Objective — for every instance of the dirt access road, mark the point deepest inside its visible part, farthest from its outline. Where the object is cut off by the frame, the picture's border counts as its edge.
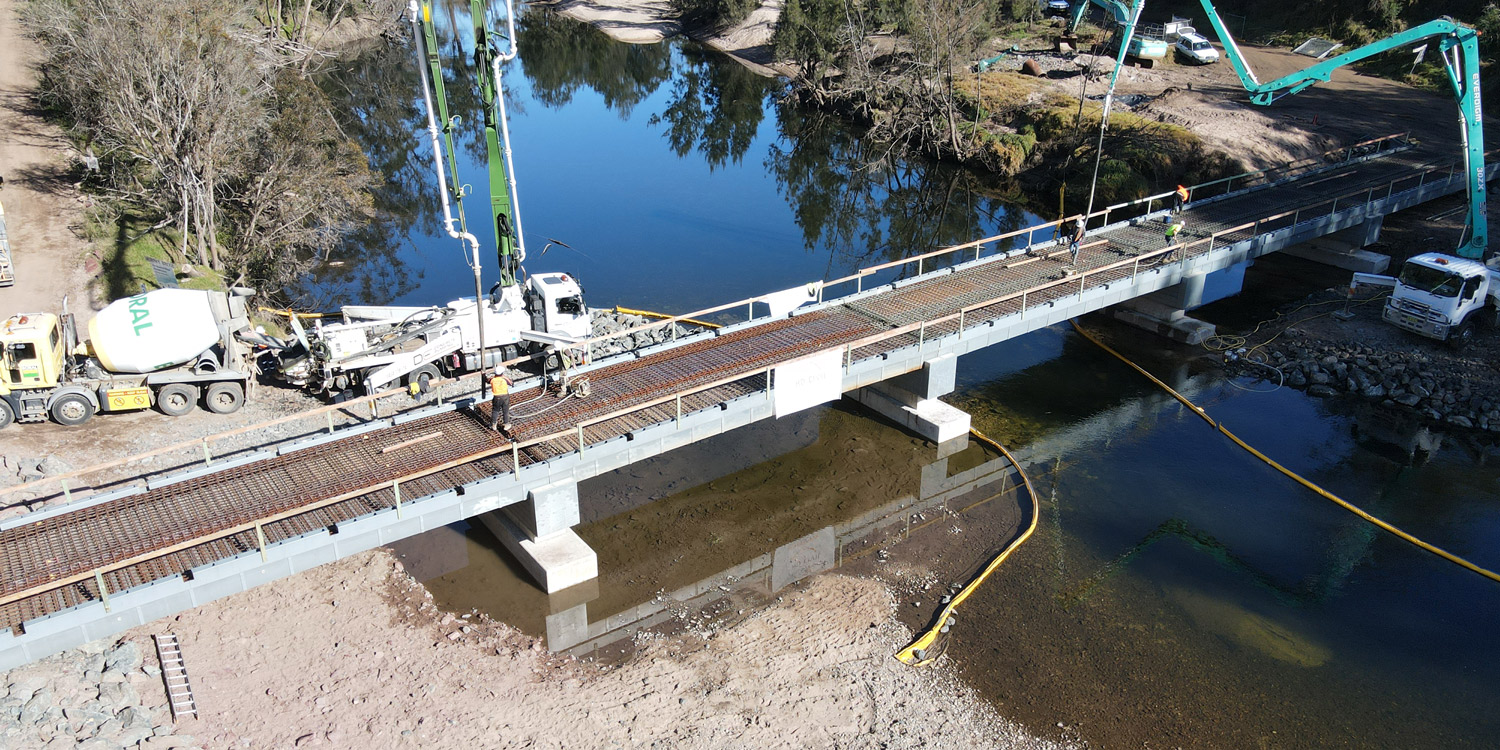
(43, 210)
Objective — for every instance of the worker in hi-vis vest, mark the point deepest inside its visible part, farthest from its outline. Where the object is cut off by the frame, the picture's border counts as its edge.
(500, 382)
(1182, 198)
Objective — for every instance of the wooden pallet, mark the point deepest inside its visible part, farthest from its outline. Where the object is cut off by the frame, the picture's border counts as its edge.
(174, 674)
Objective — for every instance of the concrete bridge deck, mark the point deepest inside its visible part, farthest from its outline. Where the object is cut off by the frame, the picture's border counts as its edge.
(103, 564)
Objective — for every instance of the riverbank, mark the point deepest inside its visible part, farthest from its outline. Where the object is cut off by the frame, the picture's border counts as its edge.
(353, 654)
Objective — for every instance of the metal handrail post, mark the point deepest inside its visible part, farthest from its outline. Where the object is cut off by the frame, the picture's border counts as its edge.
(580, 440)
(103, 590)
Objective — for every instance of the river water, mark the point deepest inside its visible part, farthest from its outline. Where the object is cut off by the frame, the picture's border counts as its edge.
(1179, 592)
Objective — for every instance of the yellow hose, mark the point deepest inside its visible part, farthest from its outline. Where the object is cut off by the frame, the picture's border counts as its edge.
(660, 316)
(920, 652)
(1440, 552)
(290, 313)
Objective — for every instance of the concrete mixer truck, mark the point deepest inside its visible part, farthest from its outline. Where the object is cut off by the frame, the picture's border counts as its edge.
(166, 348)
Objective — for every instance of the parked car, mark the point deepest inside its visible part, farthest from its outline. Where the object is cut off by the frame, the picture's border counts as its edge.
(1197, 49)
(1052, 7)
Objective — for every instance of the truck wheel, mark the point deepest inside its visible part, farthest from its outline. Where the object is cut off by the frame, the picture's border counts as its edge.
(423, 377)
(1459, 338)
(224, 398)
(71, 409)
(7, 414)
(176, 399)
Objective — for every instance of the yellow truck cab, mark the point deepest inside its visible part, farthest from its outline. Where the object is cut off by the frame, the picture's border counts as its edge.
(33, 356)
(32, 366)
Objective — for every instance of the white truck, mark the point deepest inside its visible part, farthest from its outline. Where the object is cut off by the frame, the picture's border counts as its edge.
(375, 347)
(167, 348)
(1440, 296)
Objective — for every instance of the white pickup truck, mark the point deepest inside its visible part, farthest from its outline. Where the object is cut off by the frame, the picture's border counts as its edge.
(1440, 296)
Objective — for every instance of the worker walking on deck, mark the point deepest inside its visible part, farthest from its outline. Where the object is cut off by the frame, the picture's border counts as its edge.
(500, 383)
(1073, 244)
(1182, 199)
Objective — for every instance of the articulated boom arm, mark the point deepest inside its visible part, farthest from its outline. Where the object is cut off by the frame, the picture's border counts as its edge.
(1121, 11)
(1459, 46)
(434, 63)
(487, 61)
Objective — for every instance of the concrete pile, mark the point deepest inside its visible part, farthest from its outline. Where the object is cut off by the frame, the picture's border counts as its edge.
(101, 696)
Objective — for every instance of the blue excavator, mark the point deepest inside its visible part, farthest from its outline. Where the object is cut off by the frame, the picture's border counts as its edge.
(1147, 49)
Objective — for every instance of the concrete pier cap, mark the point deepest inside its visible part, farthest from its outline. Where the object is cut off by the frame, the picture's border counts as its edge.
(538, 531)
(911, 400)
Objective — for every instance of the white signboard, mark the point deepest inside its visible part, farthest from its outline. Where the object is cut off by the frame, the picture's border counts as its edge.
(808, 382)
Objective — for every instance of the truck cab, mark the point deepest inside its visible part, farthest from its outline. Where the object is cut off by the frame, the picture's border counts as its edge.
(1443, 296)
(557, 305)
(33, 354)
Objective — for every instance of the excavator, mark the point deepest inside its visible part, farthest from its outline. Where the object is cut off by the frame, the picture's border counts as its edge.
(1143, 47)
(1435, 295)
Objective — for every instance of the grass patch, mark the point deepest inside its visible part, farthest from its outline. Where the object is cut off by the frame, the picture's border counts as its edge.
(127, 267)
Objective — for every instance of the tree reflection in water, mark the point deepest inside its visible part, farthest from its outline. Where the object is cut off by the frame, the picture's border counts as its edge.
(868, 206)
(847, 195)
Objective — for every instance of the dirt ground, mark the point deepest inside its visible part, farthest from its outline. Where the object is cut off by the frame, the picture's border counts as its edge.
(1210, 101)
(382, 667)
(43, 210)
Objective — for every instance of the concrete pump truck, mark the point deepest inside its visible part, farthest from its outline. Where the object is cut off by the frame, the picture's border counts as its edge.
(1435, 295)
(377, 346)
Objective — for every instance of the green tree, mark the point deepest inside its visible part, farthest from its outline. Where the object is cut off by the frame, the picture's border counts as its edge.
(815, 35)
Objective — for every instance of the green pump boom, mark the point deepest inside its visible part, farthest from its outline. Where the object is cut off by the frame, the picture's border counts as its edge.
(502, 199)
(503, 212)
(1459, 46)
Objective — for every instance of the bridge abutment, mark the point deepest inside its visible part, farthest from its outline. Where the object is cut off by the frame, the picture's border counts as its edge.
(538, 531)
(911, 400)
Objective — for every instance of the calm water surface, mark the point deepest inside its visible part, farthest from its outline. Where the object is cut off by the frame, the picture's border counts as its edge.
(1179, 592)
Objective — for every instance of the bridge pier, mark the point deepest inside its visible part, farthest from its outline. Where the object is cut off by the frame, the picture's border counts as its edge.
(911, 400)
(538, 531)
(1165, 311)
(1345, 248)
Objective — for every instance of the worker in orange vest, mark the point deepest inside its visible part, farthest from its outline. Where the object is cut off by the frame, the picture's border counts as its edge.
(1182, 198)
(500, 383)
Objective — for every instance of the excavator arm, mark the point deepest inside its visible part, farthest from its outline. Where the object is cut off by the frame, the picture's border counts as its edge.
(1459, 46)
(1121, 12)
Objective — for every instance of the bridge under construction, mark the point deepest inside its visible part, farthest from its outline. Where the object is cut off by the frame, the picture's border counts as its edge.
(887, 336)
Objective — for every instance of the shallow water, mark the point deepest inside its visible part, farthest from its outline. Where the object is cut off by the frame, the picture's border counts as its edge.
(1179, 592)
